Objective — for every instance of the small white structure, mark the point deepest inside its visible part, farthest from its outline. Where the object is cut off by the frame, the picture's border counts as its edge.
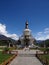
(26, 38)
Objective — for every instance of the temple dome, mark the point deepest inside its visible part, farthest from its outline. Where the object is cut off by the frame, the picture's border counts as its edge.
(27, 32)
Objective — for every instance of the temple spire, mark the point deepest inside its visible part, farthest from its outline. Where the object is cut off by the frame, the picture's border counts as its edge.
(26, 25)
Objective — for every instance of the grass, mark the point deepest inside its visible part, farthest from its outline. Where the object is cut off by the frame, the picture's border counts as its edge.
(1, 48)
(44, 49)
(43, 57)
(4, 57)
(11, 48)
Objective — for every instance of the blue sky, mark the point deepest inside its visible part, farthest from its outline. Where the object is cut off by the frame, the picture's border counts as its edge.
(14, 13)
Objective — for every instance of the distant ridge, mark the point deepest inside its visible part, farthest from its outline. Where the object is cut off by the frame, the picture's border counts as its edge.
(38, 41)
(3, 37)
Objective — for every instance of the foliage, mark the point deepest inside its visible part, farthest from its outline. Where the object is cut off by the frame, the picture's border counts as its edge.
(47, 49)
(18, 42)
(44, 58)
(6, 49)
(46, 43)
(12, 48)
(3, 42)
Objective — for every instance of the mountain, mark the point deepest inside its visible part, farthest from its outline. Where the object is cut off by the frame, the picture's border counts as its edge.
(39, 41)
(2, 37)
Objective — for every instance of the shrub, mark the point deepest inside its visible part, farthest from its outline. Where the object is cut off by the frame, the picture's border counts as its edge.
(5, 50)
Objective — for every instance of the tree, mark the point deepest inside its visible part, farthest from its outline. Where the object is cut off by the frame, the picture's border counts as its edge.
(18, 42)
(47, 43)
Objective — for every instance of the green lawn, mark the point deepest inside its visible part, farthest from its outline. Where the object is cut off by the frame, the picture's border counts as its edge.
(4, 57)
(12, 48)
(1, 48)
(43, 49)
(44, 57)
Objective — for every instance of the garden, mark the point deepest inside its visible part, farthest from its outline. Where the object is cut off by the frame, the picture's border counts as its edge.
(44, 57)
(4, 57)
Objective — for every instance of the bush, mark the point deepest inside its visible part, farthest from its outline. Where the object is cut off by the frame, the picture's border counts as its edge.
(47, 49)
(5, 50)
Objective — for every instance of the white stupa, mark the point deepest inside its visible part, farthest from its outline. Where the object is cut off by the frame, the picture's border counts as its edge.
(26, 38)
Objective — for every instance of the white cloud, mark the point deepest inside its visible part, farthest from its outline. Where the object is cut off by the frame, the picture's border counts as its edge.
(39, 33)
(40, 38)
(46, 30)
(13, 36)
(3, 31)
(47, 37)
(43, 35)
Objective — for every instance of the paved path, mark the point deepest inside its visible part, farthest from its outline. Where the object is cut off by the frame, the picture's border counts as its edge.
(25, 60)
